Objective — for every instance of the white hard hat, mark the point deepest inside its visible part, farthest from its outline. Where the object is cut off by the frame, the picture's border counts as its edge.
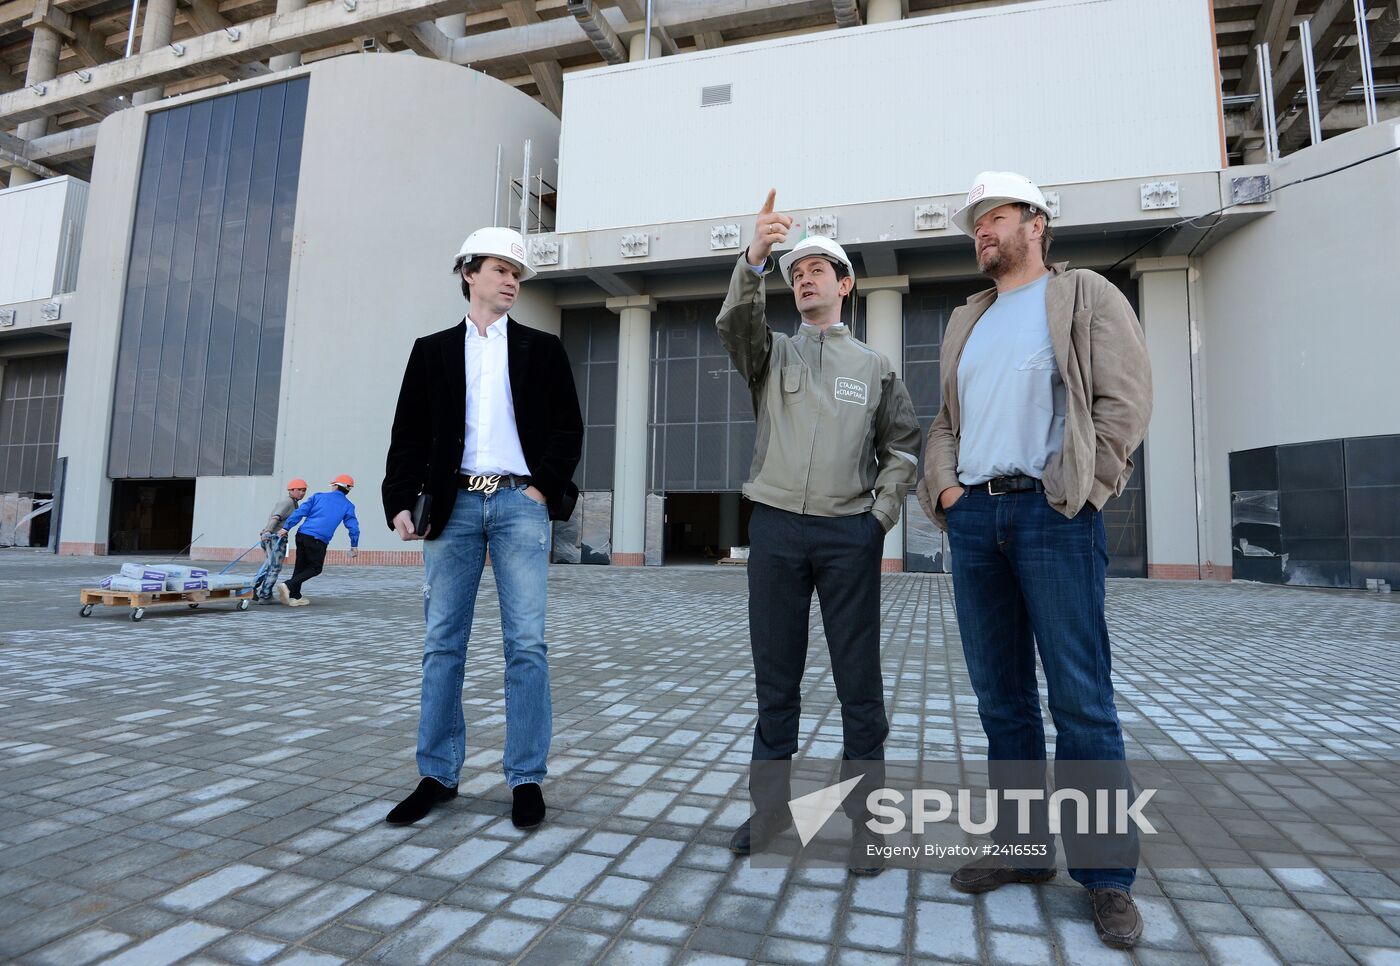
(503, 243)
(814, 245)
(994, 188)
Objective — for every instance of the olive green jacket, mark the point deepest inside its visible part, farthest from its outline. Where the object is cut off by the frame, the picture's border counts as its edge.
(836, 431)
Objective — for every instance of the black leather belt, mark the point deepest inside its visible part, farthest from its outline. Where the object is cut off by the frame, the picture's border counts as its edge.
(488, 484)
(998, 485)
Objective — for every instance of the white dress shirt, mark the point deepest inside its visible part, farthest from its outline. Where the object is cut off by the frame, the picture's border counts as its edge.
(491, 444)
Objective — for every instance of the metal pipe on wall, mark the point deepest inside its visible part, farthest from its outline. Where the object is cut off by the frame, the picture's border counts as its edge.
(525, 193)
(496, 202)
(1266, 103)
(648, 53)
(1310, 82)
(1363, 50)
(131, 29)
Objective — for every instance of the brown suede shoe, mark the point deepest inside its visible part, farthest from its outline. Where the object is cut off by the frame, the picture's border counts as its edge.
(1116, 918)
(978, 877)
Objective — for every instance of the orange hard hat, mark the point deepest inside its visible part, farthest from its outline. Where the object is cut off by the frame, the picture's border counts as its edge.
(296, 483)
(345, 480)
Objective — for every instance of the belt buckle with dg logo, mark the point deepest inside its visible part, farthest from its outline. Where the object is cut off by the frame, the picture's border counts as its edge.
(483, 484)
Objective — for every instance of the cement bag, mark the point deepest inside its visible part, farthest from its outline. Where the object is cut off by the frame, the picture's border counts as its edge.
(184, 573)
(142, 572)
(121, 582)
(229, 582)
(185, 583)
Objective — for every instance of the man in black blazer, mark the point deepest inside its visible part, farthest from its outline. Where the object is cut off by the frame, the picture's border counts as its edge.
(486, 437)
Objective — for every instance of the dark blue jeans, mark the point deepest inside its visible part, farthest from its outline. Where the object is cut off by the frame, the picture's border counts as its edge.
(1025, 575)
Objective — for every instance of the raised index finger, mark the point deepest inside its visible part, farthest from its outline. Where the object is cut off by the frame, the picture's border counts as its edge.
(768, 204)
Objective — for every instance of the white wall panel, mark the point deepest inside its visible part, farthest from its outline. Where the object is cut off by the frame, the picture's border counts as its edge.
(1064, 91)
(40, 229)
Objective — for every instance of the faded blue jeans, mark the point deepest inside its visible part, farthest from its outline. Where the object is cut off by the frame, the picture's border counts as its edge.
(1024, 576)
(516, 531)
(275, 552)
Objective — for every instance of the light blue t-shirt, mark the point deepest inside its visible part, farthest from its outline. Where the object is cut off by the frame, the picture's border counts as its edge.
(1010, 393)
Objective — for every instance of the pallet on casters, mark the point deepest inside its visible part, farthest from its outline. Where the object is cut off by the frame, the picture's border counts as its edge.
(138, 601)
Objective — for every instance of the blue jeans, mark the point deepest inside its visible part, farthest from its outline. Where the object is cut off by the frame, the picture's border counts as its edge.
(516, 531)
(1025, 575)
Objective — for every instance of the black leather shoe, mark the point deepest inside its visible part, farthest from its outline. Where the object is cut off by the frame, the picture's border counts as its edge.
(429, 792)
(865, 856)
(527, 811)
(759, 831)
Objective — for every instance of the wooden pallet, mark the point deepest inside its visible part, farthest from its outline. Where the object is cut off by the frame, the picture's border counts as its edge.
(138, 601)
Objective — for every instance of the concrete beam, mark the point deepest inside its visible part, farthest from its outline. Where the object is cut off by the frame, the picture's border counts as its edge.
(425, 39)
(15, 153)
(88, 45)
(16, 12)
(560, 37)
(63, 146)
(1383, 32)
(549, 78)
(547, 74)
(1328, 25)
(205, 16)
(319, 25)
(1272, 26)
(47, 14)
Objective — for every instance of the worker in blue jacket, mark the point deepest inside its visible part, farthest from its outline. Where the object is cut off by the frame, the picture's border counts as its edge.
(318, 518)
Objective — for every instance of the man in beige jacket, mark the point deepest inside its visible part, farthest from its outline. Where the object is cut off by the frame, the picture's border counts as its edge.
(1046, 390)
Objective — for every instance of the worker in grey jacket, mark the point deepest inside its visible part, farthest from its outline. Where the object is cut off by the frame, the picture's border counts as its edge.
(836, 451)
(275, 547)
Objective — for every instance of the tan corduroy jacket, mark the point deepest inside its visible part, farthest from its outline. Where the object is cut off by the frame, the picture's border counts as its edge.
(1102, 358)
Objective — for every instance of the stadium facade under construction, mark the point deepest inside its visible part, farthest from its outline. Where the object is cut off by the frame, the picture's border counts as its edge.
(226, 221)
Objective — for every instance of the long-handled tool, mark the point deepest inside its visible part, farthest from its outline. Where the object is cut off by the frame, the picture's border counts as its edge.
(240, 557)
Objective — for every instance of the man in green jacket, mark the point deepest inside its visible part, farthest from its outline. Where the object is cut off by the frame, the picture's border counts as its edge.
(836, 451)
(1046, 391)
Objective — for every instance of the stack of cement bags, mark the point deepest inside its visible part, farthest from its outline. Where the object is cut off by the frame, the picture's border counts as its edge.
(136, 577)
(151, 578)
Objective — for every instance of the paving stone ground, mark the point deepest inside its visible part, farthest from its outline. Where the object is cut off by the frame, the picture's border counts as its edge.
(209, 786)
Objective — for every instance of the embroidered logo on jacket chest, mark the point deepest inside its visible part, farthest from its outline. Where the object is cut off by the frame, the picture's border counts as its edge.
(852, 391)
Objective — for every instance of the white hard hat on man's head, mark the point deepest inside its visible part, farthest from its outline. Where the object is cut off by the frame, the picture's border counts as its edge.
(993, 189)
(503, 243)
(814, 245)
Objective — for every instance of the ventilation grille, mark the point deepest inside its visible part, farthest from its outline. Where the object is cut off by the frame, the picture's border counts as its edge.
(718, 94)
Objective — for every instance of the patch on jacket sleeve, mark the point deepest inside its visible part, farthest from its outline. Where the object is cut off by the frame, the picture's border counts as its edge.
(851, 391)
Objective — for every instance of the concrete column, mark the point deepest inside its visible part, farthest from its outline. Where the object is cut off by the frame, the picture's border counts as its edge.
(884, 11)
(453, 26)
(44, 51)
(729, 507)
(637, 46)
(884, 332)
(629, 509)
(157, 28)
(288, 61)
(1171, 453)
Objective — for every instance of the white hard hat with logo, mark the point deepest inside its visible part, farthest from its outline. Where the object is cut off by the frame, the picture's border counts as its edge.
(995, 188)
(814, 245)
(503, 243)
